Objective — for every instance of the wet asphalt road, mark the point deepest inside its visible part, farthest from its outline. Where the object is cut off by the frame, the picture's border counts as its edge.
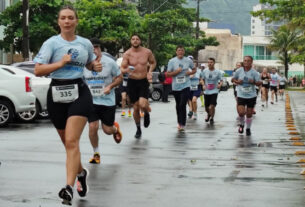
(204, 166)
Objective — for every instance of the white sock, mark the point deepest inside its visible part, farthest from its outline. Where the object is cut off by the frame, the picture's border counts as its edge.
(249, 122)
(96, 150)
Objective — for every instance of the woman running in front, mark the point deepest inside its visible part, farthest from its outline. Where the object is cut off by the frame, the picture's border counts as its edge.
(69, 100)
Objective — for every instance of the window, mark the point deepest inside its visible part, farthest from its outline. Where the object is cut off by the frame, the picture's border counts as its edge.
(2, 6)
(249, 50)
(253, 32)
(259, 53)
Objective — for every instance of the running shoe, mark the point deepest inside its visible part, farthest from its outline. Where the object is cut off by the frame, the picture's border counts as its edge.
(82, 187)
(241, 129)
(208, 118)
(211, 121)
(118, 135)
(248, 132)
(123, 113)
(66, 194)
(195, 116)
(271, 102)
(146, 119)
(129, 113)
(190, 114)
(96, 159)
(180, 128)
(138, 134)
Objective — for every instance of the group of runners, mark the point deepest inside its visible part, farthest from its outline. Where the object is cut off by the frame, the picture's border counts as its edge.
(83, 82)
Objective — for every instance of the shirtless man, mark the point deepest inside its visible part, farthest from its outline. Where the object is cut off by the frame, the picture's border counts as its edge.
(138, 86)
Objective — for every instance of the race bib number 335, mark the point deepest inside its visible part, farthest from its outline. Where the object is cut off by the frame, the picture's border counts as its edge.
(65, 93)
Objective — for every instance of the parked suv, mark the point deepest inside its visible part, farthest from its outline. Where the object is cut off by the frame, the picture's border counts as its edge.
(16, 94)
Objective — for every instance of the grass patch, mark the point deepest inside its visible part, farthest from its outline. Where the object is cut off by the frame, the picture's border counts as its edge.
(295, 89)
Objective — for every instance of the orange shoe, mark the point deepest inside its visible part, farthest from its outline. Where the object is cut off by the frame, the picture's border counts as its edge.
(123, 113)
(96, 159)
(129, 113)
(118, 135)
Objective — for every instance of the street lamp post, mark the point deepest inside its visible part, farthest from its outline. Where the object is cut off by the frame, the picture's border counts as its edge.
(25, 29)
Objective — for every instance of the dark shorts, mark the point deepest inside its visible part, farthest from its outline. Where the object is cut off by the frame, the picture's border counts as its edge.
(249, 102)
(210, 99)
(273, 88)
(123, 89)
(60, 112)
(266, 86)
(104, 113)
(282, 87)
(137, 89)
(195, 93)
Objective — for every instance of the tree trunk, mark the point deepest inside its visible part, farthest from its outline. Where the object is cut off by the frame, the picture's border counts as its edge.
(286, 62)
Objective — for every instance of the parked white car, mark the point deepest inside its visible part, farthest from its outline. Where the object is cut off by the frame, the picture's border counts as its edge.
(40, 86)
(16, 94)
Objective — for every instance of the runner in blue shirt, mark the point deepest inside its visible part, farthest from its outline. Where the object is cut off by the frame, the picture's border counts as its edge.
(101, 85)
(179, 68)
(283, 80)
(274, 84)
(69, 101)
(212, 79)
(246, 78)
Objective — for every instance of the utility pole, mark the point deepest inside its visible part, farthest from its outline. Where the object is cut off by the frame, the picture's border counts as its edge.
(197, 20)
(25, 29)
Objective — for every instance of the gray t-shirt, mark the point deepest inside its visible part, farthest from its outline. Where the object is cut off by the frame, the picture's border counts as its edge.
(246, 89)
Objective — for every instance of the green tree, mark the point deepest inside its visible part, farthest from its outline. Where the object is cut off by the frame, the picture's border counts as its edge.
(165, 30)
(112, 22)
(284, 42)
(42, 24)
(299, 55)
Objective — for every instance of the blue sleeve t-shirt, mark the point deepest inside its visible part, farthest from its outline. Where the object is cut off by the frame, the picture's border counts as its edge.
(246, 89)
(274, 79)
(181, 80)
(56, 47)
(211, 79)
(97, 81)
(195, 79)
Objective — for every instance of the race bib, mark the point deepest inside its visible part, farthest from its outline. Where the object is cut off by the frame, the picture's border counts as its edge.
(265, 82)
(282, 83)
(246, 89)
(273, 82)
(65, 93)
(194, 88)
(211, 86)
(124, 83)
(97, 91)
(181, 79)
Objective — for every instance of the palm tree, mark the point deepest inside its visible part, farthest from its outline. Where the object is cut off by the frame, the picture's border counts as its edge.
(284, 41)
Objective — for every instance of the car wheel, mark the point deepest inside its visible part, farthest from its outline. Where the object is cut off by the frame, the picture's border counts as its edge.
(6, 112)
(156, 95)
(28, 116)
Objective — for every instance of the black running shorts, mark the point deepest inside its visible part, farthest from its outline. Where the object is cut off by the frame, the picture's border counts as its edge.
(210, 99)
(273, 88)
(282, 87)
(60, 112)
(249, 102)
(104, 113)
(137, 89)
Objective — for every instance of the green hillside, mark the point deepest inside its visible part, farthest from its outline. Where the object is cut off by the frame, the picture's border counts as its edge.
(234, 12)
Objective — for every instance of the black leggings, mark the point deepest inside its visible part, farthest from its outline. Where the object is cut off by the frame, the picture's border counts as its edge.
(181, 98)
